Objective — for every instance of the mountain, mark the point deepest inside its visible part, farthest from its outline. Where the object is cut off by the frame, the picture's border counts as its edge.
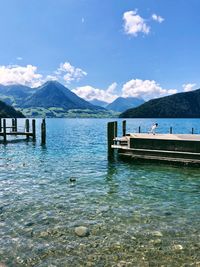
(7, 111)
(15, 94)
(54, 94)
(121, 103)
(180, 105)
(99, 103)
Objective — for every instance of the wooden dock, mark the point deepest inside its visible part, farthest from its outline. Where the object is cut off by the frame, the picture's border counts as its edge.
(9, 127)
(170, 148)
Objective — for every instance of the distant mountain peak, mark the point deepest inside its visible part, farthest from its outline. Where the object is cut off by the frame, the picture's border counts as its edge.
(54, 94)
(121, 104)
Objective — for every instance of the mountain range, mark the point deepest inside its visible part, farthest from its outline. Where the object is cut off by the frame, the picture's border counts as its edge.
(180, 105)
(53, 99)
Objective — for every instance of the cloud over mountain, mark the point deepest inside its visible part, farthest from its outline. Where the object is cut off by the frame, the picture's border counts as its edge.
(90, 93)
(15, 74)
(189, 87)
(28, 75)
(146, 89)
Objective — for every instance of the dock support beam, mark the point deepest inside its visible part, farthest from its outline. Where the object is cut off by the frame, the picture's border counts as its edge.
(15, 124)
(111, 134)
(139, 129)
(27, 127)
(43, 132)
(0, 125)
(33, 129)
(170, 130)
(4, 130)
(192, 130)
(123, 128)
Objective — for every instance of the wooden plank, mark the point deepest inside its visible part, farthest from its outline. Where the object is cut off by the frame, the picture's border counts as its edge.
(17, 133)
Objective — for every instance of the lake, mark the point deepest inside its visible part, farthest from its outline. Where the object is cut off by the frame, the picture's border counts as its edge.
(137, 214)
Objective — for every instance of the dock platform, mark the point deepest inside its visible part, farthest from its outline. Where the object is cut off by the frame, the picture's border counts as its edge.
(168, 148)
(9, 128)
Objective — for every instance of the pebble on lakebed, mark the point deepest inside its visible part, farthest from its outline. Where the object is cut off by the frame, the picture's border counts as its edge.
(177, 247)
(82, 231)
(2, 264)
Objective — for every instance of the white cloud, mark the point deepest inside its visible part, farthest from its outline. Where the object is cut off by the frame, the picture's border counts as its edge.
(89, 93)
(14, 74)
(188, 87)
(28, 75)
(70, 73)
(19, 58)
(146, 89)
(134, 23)
(157, 18)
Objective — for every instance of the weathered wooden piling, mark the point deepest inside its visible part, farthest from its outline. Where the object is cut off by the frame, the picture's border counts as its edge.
(123, 128)
(0, 125)
(4, 130)
(170, 130)
(111, 134)
(139, 129)
(192, 130)
(43, 132)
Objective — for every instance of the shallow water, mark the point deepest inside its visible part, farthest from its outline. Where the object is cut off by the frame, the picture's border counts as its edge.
(138, 215)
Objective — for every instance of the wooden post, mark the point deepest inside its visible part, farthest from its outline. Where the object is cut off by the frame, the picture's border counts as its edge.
(192, 130)
(0, 125)
(27, 127)
(139, 129)
(170, 130)
(43, 132)
(124, 128)
(110, 136)
(4, 130)
(13, 125)
(33, 129)
(115, 129)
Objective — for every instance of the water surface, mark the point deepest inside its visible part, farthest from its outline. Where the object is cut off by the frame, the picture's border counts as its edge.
(138, 215)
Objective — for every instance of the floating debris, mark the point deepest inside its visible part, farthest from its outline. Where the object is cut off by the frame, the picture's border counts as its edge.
(72, 179)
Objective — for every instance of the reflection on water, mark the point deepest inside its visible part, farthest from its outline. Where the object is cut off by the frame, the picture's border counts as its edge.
(137, 215)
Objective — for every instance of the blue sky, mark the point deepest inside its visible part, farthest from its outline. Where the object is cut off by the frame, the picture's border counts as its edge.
(102, 49)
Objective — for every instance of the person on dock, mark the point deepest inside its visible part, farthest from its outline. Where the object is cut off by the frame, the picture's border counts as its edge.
(153, 128)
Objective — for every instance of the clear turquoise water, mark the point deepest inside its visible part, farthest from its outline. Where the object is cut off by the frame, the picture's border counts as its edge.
(138, 215)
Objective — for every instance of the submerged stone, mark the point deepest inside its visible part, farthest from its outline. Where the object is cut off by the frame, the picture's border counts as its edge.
(157, 233)
(82, 231)
(177, 247)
